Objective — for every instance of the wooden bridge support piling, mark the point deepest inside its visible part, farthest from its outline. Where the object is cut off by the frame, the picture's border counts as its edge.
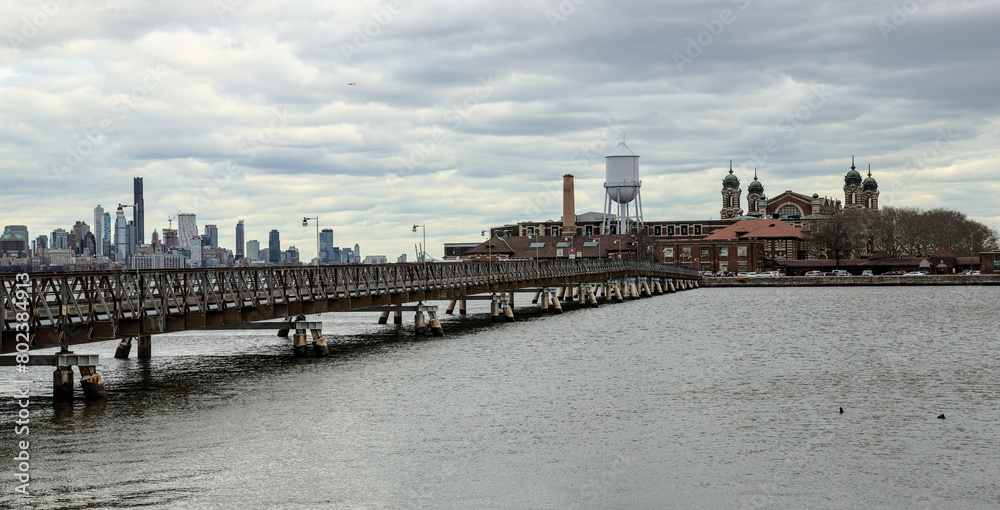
(397, 318)
(300, 343)
(463, 307)
(91, 382)
(436, 328)
(534, 300)
(62, 384)
(124, 347)
(420, 324)
(320, 349)
(383, 318)
(545, 299)
(451, 307)
(556, 306)
(145, 348)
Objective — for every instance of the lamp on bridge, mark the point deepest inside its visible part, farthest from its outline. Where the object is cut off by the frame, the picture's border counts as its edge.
(305, 223)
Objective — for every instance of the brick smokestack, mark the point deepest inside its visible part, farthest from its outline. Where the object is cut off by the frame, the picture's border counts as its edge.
(569, 207)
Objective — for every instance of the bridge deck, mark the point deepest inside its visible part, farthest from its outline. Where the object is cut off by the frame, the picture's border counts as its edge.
(75, 308)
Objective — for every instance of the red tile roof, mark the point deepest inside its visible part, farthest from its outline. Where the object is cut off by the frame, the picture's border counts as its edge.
(758, 229)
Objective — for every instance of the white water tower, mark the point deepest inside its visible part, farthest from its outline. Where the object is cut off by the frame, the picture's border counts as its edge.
(621, 183)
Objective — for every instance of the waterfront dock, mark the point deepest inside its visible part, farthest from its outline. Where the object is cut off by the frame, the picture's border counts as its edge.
(841, 281)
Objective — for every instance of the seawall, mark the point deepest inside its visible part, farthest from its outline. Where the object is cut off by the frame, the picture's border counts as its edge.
(833, 281)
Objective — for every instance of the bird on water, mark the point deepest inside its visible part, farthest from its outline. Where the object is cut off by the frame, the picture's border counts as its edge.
(841, 410)
(940, 416)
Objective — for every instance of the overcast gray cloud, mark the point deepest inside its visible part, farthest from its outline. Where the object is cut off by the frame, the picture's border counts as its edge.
(466, 114)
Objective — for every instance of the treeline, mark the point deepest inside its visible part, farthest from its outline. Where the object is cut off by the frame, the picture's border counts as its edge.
(902, 232)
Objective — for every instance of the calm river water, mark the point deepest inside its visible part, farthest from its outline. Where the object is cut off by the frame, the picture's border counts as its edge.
(711, 398)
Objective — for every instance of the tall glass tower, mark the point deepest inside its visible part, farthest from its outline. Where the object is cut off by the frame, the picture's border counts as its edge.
(139, 212)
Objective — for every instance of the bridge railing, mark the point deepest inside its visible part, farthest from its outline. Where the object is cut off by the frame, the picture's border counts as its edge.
(84, 297)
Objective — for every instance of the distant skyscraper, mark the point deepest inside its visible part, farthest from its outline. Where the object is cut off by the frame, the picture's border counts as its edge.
(170, 238)
(99, 230)
(253, 249)
(107, 229)
(139, 212)
(212, 233)
(59, 239)
(14, 241)
(122, 242)
(196, 253)
(239, 240)
(187, 228)
(274, 247)
(357, 253)
(325, 245)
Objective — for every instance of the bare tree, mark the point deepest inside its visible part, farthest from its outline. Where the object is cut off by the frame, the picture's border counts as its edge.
(841, 235)
(907, 231)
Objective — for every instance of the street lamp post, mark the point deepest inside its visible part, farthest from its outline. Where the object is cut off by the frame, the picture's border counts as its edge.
(423, 250)
(305, 223)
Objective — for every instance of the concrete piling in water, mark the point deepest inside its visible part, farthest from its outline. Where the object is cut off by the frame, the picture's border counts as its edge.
(494, 311)
(320, 349)
(545, 300)
(592, 297)
(462, 307)
(145, 347)
(510, 298)
(91, 382)
(670, 286)
(582, 296)
(420, 324)
(300, 345)
(618, 293)
(561, 294)
(124, 347)
(451, 307)
(397, 318)
(383, 318)
(283, 333)
(436, 328)
(508, 312)
(556, 306)
(62, 383)
(534, 300)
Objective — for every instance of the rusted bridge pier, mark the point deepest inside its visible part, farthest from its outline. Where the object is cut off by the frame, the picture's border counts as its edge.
(67, 309)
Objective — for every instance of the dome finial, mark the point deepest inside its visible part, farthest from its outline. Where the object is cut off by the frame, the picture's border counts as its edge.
(730, 166)
(755, 173)
(852, 162)
(869, 169)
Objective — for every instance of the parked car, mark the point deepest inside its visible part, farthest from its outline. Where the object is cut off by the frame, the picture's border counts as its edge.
(867, 272)
(915, 273)
(893, 273)
(840, 272)
(814, 273)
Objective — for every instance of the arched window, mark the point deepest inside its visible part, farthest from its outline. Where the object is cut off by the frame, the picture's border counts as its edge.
(790, 210)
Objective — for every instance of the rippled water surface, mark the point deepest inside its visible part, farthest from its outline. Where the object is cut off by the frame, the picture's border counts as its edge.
(711, 398)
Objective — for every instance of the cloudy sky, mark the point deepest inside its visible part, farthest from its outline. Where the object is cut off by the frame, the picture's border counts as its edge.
(466, 114)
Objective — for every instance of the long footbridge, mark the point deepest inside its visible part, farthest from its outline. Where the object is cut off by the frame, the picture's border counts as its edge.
(45, 310)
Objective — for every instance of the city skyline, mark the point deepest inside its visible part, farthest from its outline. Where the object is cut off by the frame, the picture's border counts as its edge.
(250, 115)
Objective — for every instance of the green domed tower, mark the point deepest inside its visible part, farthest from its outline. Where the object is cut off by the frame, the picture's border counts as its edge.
(852, 187)
(869, 191)
(731, 195)
(756, 203)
